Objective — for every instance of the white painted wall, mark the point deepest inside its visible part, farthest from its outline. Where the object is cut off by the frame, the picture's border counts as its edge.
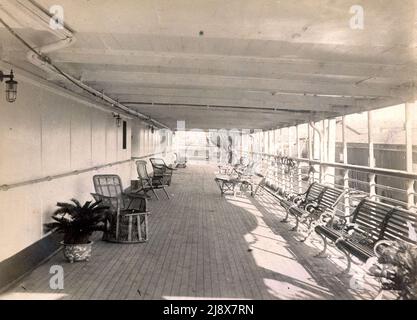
(45, 133)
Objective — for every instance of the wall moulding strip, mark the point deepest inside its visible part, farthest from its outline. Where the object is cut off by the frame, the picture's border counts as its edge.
(6, 187)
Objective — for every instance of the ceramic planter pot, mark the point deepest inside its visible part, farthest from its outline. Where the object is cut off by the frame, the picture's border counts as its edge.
(77, 252)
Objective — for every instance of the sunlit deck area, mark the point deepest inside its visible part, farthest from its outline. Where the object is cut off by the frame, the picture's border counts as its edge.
(217, 149)
(202, 246)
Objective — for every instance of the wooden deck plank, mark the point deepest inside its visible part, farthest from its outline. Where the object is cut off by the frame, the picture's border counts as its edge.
(201, 245)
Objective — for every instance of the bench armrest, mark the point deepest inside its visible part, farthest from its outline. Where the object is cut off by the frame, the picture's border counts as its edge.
(344, 222)
(321, 217)
(311, 206)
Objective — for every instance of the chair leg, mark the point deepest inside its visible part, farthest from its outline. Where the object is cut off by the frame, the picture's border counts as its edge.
(349, 260)
(166, 193)
(309, 232)
(285, 220)
(139, 227)
(296, 223)
(153, 190)
(322, 252)
(117, 226)
(145, 230)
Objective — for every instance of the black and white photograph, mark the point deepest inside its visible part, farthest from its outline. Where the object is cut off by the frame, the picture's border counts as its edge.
(208, 155)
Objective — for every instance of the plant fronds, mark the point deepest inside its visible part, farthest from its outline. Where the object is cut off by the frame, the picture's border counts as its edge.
(77, 221)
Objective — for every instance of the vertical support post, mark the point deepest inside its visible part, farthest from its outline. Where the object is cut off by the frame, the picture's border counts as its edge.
(269, 141)
(409, 153)
(278, 152)
(317, 146)
(283, 177)
(290, 154)
(271, 157)
(251, 141)
(297, 137)
(372, 176)
(310, 142)
(265, 150)
(346, 171)
(268, 157)
(323, 153)
(310, 148)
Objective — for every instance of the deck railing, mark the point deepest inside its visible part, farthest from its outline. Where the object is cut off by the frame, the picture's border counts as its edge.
(357, 181)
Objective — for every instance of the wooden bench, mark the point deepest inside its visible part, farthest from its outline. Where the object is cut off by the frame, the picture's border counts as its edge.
(339, 226)
(302, 199)
(361, 242)
(317, 212)
(369, 223)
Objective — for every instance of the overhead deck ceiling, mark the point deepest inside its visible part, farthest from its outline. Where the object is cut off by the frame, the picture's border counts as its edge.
(233, 63)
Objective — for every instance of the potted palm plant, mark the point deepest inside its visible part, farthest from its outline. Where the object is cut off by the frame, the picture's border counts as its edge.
(396, 267)
(77, 222)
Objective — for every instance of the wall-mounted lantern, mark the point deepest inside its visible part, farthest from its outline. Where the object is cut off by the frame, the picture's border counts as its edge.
(11, 86)
(118, 119)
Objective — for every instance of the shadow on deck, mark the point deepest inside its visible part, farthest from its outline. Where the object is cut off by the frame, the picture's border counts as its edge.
(201, 246)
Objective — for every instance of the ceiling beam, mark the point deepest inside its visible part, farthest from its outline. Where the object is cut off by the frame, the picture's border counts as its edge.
(293, 114)
(259, 104)
(242, 97)
(218, 118)
(239, 66)
(219, 82)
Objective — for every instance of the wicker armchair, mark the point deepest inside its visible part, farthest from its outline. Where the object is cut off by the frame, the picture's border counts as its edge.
(128, 221)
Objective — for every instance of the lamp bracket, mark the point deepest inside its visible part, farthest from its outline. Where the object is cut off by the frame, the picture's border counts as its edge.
(5, 76)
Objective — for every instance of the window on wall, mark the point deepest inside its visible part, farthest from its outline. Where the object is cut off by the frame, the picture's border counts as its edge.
(124, 135)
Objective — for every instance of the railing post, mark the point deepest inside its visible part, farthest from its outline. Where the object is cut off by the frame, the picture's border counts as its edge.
(290, 171)
(410, 194)
(371, 161)
(409, 153)
(310, 153)
(346, 171)
(275, 151)
(297, 134)
(320, 149)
